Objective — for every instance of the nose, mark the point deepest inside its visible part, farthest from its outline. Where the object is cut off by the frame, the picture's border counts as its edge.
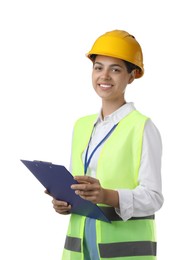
(105, 74)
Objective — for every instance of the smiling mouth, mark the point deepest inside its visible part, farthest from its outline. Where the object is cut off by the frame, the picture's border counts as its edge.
(105, 86)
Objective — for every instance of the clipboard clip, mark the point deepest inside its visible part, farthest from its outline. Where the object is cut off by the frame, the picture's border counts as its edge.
(43, 162)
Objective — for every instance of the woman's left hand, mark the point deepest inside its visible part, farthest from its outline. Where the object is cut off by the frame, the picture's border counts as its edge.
(89, 188)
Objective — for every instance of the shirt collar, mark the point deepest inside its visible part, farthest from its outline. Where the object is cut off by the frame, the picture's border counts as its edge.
(117, 115)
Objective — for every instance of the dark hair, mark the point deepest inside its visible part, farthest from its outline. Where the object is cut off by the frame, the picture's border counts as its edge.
(130, 66)
(93, 57)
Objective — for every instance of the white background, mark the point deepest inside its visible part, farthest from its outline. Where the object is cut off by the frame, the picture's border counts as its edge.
(45, 84)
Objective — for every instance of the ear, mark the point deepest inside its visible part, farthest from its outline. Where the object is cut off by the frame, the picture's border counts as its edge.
(132, 76)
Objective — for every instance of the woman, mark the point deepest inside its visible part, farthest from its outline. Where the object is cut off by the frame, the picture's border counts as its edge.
(116, 159)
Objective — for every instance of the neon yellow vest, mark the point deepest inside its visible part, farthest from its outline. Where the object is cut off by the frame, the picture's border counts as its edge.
(118, 167)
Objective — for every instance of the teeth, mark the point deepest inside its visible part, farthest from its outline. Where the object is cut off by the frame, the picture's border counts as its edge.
(105, 86)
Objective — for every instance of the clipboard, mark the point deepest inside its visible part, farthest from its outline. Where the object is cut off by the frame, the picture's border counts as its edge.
(57, 180)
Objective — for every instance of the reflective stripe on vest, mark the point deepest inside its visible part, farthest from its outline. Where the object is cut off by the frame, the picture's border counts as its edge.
(121, 249)
(124, 249)
(73, 244)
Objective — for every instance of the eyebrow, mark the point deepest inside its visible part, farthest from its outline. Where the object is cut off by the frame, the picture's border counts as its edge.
(112, 65)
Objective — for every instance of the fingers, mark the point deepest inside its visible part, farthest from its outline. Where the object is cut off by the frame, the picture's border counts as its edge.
(85, 179)
(85, 183)
(91, 196)
(87, 191)
(88, 188)
(47, 192)
(61, 207)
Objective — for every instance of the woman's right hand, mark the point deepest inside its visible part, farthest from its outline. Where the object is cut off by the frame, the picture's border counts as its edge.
(61, 207)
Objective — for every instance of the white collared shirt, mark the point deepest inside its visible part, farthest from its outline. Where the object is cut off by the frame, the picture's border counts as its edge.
(147, 197)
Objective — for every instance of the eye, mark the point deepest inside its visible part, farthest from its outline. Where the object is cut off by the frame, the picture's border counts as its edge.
(116, 70)
(97, 68)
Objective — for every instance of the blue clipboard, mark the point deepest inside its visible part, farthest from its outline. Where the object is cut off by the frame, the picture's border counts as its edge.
(57, 180)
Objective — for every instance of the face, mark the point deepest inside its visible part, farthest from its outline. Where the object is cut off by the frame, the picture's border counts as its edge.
(110, 78)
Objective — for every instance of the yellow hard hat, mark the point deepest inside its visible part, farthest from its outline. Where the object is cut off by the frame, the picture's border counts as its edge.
(119, 44)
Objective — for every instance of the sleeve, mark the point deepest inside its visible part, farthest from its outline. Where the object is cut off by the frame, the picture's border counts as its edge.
(147, 197)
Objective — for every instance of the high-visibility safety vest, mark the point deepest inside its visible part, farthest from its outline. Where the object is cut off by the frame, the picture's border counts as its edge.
(117, 168)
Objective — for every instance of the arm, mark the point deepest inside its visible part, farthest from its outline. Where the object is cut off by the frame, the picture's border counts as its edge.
(147, 197)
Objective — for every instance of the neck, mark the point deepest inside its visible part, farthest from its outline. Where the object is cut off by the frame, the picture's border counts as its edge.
(109, 107)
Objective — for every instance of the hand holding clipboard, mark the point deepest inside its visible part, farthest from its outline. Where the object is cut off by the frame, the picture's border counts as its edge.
(58, 180)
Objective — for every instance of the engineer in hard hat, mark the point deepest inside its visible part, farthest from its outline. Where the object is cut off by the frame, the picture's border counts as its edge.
(116, 159)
